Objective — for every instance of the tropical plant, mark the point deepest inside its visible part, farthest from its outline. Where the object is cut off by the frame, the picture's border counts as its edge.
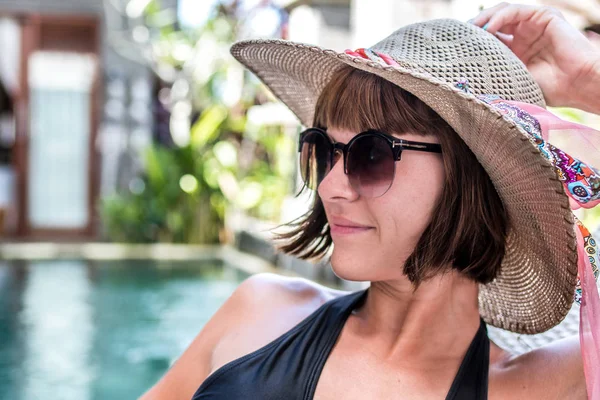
(185, 190)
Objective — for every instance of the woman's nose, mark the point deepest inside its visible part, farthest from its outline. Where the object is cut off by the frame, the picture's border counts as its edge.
(336, 185)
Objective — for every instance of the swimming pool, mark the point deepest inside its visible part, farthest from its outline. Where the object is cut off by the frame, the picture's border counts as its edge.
(101, 330)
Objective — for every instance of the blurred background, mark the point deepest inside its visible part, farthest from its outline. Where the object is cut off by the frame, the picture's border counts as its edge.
(141, 170)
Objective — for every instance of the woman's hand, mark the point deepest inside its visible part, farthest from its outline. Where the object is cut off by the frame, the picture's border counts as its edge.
(561, 59)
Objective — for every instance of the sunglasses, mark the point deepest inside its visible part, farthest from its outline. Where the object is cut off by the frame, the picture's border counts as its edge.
(369, 159)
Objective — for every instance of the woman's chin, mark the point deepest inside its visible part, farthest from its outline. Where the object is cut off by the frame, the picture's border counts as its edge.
(361, 265)
(351, 267)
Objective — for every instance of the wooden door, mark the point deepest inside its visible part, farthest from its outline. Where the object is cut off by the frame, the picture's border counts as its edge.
(57, 118)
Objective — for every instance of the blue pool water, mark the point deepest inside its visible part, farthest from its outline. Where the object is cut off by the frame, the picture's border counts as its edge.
(101, 330)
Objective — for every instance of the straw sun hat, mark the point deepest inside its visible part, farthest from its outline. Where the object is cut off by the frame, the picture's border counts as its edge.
(451, 65)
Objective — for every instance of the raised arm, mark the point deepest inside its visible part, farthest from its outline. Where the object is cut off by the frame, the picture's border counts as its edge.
(554, 371)
(561, 59)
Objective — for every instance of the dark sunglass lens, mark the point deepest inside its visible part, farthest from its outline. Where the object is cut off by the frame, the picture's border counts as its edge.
(314, 158)
(371, 166)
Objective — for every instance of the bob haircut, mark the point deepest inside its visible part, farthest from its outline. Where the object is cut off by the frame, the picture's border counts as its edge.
(469, 229)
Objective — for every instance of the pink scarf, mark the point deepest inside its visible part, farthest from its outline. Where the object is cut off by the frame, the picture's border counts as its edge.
(582, 185)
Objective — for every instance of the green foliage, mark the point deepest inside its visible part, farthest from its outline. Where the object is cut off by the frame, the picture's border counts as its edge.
(207, 128)
(184, 192)
(165, 209)
(169, 210)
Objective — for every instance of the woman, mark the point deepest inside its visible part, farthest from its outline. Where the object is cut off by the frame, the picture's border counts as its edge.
(445, 198)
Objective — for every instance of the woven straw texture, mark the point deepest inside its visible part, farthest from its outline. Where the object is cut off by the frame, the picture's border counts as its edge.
(534, 290)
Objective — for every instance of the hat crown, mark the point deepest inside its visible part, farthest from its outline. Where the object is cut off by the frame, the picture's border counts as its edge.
(451, 51)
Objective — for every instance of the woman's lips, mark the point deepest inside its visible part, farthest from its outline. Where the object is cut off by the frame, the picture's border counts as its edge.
(339, 225)
(347, 230)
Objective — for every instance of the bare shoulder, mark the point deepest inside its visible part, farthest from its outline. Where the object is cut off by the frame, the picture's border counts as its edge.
(272, 305)
(262, 308)
(290, 290)
(554, 371)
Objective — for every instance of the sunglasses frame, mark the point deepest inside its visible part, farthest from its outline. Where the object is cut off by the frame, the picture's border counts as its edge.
(397, 145)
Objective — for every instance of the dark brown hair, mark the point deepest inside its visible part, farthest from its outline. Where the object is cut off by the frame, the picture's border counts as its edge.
(468, 231)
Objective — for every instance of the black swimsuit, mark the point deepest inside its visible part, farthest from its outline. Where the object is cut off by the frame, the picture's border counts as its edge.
(289, 367)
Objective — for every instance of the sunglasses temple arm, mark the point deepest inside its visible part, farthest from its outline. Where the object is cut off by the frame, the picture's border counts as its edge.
(418, 146)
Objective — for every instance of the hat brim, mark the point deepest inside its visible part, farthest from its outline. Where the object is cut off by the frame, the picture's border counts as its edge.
(535, 287)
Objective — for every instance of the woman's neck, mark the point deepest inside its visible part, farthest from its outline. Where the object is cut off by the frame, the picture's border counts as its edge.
(435, 322)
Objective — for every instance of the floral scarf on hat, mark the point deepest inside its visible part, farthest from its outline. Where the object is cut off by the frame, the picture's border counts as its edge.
(582, 184)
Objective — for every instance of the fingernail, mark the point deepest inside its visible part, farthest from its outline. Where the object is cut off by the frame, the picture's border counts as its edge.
(485, 26)
(471, 21)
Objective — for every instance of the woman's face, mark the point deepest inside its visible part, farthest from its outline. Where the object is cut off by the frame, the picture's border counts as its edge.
(394, 222)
